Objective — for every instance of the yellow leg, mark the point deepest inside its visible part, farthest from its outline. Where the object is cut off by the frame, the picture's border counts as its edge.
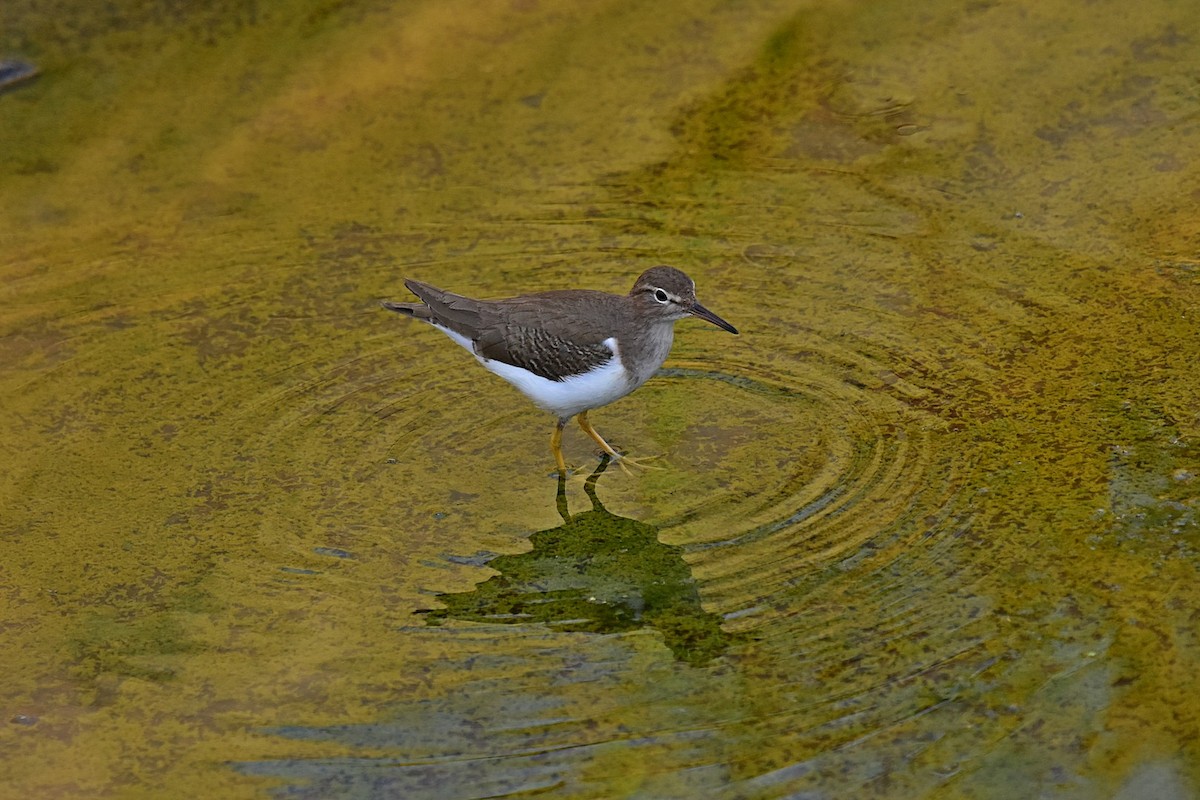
(624, 462)
(556, 447)
(597, 438)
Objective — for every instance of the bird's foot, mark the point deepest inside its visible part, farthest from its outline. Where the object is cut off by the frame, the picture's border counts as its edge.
(564, 473)
(626, 463)
(571, 472)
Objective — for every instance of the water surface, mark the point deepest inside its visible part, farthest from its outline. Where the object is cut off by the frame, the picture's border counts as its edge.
(927, 528)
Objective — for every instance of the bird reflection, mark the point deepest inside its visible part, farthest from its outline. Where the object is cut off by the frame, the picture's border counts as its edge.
(596, 572)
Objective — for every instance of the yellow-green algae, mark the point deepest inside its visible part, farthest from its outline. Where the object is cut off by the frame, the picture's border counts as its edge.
(942, 490)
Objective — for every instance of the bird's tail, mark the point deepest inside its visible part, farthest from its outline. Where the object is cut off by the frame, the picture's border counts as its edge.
(418, 310)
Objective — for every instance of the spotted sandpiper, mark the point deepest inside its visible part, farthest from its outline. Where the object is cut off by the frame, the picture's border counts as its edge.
(572, 350)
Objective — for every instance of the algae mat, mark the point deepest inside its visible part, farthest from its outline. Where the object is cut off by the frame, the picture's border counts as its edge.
(927, 528)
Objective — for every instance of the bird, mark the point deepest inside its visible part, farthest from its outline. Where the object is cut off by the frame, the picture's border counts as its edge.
(571, 350)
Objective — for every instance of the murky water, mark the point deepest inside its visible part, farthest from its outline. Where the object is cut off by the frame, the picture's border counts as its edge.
(927, 528)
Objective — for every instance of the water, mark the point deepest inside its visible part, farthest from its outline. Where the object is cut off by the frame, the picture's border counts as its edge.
(927, 528)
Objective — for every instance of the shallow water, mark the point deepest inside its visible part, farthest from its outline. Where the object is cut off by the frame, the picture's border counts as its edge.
(927, 528)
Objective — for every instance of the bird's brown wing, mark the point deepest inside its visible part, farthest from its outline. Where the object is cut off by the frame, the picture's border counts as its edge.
(540, 351)
(553, 334)
(551, 337)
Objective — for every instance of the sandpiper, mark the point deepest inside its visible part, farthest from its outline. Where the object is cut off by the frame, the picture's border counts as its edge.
(572, 350)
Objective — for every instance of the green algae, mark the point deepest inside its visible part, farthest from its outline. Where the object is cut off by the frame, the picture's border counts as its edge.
(933, 515)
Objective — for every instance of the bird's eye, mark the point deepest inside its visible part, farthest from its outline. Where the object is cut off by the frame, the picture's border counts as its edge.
(660, 296)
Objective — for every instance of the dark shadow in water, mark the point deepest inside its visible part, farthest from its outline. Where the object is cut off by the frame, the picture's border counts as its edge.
(504, 733)
(596, 572)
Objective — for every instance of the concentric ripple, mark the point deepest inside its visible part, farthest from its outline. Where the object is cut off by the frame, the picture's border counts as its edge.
(846, 468)
(777, 465)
